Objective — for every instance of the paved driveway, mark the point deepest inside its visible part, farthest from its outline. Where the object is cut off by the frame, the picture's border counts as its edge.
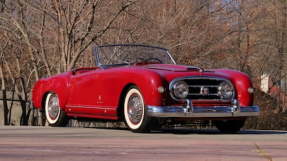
(85, 144)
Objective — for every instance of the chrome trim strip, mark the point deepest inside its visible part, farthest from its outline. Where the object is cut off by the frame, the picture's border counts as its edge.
(207, 112)
(87, 106)
(212, 100)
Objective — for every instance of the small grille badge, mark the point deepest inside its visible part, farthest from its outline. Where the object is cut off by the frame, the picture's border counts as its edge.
(204, 90)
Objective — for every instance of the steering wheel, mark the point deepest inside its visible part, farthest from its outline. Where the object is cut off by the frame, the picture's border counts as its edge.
(142, 61)
(153, 60)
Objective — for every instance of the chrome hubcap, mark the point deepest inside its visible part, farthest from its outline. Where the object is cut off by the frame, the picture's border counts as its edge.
(53, 107)
(135, 108)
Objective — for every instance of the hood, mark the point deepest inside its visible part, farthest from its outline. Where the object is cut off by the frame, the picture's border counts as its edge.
(172, 71)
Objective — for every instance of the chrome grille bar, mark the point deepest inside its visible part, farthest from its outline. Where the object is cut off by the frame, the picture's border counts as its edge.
(199, 86)
(198, 94)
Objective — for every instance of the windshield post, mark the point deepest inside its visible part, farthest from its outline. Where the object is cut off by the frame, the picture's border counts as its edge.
(170, 57)
(96, 56)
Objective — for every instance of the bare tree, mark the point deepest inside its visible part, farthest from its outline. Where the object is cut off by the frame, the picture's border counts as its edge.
(48, 37)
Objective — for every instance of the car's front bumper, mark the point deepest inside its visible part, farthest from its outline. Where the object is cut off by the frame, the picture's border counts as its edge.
(202, 112)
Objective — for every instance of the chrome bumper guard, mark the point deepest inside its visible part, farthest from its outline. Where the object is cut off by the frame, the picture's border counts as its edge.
(202, 112)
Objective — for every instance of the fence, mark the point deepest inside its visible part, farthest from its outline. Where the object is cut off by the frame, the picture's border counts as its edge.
(14, 111)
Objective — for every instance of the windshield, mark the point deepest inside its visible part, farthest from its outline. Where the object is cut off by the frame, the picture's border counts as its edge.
(130, 54)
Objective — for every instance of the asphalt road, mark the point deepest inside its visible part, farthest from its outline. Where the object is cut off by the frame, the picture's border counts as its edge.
(85, 144)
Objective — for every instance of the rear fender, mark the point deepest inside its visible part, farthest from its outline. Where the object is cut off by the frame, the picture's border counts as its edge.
(59, 85)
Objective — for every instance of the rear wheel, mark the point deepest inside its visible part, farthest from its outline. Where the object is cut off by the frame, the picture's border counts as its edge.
(53, 112)
(229, 126)
(135, 113)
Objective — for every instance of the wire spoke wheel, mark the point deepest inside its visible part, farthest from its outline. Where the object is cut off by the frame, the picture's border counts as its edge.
(135, 108)
(53, 107)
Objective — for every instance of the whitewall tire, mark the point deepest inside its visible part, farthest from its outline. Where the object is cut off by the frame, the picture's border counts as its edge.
(135, 113)
(55, 116)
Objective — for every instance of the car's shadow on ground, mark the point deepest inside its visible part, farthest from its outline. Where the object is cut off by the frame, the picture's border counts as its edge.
(216, 132)
(188, 131)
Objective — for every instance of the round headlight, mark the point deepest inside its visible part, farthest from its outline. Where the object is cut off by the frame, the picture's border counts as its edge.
(225, 90)
(180, 89)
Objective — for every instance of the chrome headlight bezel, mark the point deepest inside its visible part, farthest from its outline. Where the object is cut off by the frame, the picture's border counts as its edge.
(226, 90)
(180, 89)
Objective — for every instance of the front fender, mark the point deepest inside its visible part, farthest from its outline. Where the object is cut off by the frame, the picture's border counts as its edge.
(116, 81)
(242, 83)
(149, 83)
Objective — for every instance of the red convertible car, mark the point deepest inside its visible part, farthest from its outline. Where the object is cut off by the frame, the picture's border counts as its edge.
(143, 86)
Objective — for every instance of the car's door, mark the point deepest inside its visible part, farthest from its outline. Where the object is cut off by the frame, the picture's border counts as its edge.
(86, 97)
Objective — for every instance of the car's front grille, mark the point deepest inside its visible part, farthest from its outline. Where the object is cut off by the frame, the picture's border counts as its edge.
(203, 88)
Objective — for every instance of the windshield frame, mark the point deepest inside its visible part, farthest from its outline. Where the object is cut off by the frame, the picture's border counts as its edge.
(97, 48)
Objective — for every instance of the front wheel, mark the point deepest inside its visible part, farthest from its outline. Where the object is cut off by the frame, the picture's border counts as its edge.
(55, 116)
(135, 112)
(229, 126)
